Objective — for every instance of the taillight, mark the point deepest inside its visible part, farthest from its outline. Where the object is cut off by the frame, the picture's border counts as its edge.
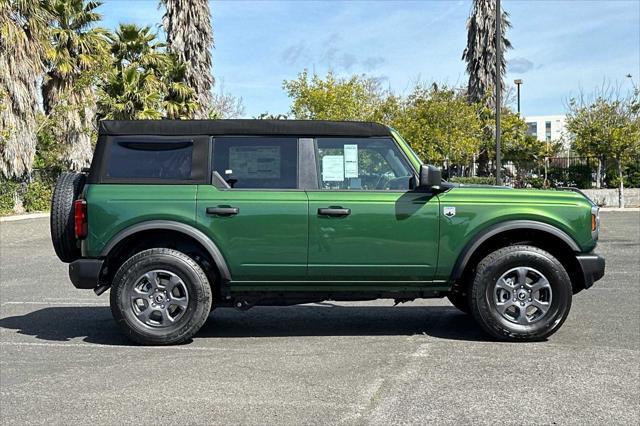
(80, 218)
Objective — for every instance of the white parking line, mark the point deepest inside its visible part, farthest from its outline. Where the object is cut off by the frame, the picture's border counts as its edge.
(56, 303)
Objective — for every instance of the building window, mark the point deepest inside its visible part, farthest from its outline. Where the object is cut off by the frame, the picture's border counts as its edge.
(547, 130)
(532, 129)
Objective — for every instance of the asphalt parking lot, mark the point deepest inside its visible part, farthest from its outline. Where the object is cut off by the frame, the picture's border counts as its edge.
(63, 360)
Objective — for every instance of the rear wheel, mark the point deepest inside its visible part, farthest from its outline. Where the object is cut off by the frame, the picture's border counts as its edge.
(68, 189)
(520, 293)
(160, 297)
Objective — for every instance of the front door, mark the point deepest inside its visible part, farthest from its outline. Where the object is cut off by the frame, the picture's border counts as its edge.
(364, 222)
(261, 223)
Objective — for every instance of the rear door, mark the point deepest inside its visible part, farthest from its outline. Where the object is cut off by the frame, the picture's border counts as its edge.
(365, 224)
(260, 224)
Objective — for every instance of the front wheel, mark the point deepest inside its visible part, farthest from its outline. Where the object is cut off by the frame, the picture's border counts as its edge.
(160, 297)
(520, 293)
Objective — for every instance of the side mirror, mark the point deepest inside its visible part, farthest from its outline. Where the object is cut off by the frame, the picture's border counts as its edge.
(430, 177)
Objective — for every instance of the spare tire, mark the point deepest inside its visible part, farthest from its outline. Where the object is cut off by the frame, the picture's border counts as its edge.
(68, 189)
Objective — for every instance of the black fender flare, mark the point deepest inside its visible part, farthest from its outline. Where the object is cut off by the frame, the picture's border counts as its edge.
(485, 234)
(170, 225)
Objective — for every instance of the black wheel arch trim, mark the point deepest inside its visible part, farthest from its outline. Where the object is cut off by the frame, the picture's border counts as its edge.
(183, 228)
(485, 234)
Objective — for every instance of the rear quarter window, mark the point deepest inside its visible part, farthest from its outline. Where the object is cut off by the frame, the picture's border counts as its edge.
(156, 160)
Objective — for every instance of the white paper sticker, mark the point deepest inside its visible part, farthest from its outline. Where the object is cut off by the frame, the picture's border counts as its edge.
(333, 168)
(351, 161)
(255, 162)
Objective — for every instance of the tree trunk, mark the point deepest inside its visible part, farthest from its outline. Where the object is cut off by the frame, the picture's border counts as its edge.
(546, 168)
(621, 185)
(75, 111)
(599, 174)
(483, 164)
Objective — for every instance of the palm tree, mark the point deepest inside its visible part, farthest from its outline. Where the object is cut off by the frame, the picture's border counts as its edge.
(144, 81)
(77, 51)
(23, 38)
(190, 38)
(180, 100)
(136, 46)
(480, 53)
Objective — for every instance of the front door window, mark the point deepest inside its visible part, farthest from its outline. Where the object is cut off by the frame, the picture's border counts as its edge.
(367, 164)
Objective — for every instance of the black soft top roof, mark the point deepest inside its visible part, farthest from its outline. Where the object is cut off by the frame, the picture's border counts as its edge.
(242, 127)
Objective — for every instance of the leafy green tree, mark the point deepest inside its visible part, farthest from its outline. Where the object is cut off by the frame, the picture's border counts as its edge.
(332, 97)
(144, 81)
(190, 38)
(23, 43)
(442, 127)
(75, 58)
(607, 127)
(268, 116)
(513, 128)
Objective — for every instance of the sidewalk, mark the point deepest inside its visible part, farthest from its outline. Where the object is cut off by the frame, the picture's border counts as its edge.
(23, 216)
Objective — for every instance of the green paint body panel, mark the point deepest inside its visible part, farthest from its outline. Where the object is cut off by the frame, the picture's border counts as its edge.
(392, 240)
(267, 240)
(389, 236)
(115, 207)
(478, 208)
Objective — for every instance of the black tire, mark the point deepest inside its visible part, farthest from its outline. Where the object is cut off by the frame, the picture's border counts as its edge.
(68, 189)
(460, 301)
(484, 294)
(196, 286)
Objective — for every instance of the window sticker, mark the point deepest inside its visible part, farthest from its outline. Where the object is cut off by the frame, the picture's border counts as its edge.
(255, 162)
(333, 168)
(351, 161)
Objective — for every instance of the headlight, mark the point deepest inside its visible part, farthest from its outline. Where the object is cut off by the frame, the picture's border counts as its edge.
(595, 222)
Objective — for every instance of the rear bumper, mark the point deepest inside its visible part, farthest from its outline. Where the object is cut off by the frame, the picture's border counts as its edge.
(592, 266)
(85, 273)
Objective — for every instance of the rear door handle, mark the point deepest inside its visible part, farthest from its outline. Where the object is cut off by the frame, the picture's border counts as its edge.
(334, 212)
(223, 211)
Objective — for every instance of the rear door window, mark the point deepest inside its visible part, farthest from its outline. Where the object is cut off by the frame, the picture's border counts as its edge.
(257, 162)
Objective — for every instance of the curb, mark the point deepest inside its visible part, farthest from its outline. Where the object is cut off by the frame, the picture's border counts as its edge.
(23, 217)
(618, 209)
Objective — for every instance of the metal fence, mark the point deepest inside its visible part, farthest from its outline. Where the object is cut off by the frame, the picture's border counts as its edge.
(581, 172)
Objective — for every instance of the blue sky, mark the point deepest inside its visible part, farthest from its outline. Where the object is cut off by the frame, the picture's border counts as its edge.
(560, 47)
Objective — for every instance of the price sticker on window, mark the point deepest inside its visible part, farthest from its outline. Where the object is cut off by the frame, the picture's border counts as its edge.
(351, 161)
(333, 168)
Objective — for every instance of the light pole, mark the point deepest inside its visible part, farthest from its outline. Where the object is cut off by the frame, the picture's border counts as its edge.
(498, 91)
(518, 82)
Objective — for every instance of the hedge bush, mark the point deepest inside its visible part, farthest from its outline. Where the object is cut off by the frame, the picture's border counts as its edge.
(477, 180)
(8, 190)
(37, 197)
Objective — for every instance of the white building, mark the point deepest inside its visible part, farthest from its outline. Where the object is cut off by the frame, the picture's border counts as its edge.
(548, 128)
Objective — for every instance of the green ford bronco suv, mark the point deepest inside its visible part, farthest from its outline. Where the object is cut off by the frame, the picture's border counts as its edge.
(180, 217)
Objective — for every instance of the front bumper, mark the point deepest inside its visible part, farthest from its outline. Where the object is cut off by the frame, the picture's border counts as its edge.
(592, 266)
(85, 273)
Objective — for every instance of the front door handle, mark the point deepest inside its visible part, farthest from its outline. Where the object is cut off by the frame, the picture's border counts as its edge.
(223, 211)
(334, 212)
